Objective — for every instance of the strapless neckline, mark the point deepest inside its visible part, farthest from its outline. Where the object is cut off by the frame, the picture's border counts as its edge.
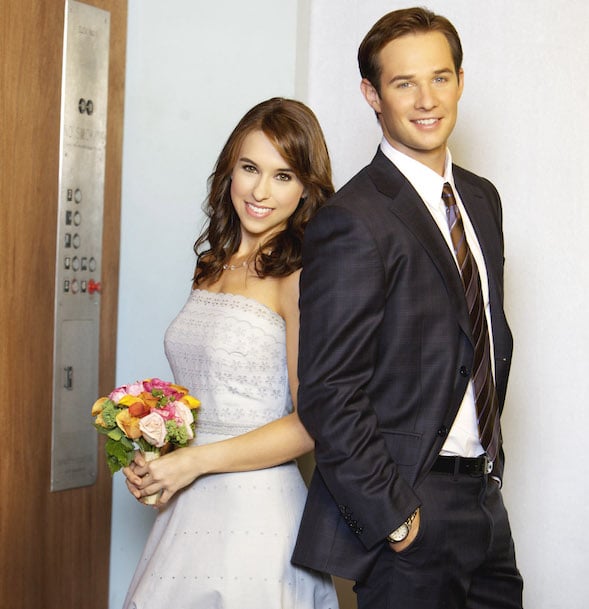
(237, 297)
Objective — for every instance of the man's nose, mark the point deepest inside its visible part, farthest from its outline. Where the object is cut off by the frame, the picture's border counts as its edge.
(426, 97)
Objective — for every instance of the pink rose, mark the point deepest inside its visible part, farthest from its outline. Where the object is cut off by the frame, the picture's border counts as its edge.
(135, 389)
(167, 412)
(184, 416)
(156, 383)
(153, 428)
(116, 394)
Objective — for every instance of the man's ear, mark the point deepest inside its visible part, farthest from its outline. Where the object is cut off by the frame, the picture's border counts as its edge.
(370, 94)
(460, 82)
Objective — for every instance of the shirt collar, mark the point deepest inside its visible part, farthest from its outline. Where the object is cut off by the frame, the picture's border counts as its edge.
(426, 182)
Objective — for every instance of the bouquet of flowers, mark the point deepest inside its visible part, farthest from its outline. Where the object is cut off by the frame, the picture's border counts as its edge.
(153, 416)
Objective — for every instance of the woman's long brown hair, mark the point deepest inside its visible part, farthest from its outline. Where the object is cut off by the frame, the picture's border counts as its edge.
(295, 132)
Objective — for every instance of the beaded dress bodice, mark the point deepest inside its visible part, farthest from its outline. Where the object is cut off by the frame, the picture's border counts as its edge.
(230, 351)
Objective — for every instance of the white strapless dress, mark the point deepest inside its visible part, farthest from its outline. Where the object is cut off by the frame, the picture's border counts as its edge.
(225, 541)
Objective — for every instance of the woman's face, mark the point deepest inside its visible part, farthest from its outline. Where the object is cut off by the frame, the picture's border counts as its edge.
(264, 189)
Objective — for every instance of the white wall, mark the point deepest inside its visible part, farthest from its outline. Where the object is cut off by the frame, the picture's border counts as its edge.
(522, 124)
(193, 69)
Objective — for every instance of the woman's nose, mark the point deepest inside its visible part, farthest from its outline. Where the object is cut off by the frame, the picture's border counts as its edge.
(262, 189)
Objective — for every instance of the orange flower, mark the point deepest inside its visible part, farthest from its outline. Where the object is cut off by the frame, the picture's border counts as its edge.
(128, 424)
(179, 388)
(139, 409)
(149, 400)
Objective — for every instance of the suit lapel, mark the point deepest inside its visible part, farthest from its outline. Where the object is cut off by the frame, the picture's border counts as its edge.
(408, 206)
(480, 218)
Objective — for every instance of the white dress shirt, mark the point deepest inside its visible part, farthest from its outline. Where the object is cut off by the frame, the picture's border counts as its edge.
(463, 439)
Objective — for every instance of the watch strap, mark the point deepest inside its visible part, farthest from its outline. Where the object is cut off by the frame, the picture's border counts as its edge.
(406, 525)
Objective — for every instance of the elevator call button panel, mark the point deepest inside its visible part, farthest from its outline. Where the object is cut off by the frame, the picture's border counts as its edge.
(78, 283)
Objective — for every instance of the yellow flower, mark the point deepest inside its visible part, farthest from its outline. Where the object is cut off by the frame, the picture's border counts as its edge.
(100, 421)
(127, 400)
(190, 401)
(98, 406)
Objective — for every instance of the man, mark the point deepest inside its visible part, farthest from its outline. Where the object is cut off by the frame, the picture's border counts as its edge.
(405, 350)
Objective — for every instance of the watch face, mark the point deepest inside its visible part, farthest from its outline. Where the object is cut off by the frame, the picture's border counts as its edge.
(400, 533)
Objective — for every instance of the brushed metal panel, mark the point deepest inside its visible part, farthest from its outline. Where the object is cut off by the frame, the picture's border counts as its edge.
(79, 244)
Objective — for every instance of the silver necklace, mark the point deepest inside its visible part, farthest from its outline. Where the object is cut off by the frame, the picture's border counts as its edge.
(234, 267)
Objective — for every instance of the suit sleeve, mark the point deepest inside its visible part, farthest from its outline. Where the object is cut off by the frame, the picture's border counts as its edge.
(342, 306)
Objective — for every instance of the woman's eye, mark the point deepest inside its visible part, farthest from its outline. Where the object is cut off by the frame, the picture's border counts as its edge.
(284, 177)
(249, 168)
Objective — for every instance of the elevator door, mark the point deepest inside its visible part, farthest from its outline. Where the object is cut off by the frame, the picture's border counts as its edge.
(54, 545)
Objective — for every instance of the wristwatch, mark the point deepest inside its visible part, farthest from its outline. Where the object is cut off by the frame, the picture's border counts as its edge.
(401, 533)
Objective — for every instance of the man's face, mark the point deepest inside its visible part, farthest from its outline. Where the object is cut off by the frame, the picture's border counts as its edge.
(419, 93)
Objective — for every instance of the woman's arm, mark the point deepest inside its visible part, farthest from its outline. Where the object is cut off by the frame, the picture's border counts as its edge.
(272, 444)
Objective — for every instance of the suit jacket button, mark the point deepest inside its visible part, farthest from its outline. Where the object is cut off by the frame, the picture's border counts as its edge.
(443, 431)
(464, 371)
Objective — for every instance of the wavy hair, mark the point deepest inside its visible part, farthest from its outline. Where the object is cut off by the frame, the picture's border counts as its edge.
(296, 134)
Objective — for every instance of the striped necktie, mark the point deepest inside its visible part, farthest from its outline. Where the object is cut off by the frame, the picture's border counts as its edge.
(485, 395)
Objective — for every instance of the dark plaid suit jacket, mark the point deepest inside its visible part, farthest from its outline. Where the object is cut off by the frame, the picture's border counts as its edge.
(385, 355)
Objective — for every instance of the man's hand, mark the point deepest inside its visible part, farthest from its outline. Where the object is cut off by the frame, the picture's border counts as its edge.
(399, 546)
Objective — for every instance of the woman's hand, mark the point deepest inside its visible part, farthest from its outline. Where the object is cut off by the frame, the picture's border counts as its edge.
(133, 479)
(168, 474)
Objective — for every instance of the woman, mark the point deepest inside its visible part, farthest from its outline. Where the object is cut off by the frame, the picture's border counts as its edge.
(226, 539)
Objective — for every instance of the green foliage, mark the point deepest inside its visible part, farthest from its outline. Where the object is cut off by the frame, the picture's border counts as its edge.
(101, 429)
(116, 434)
(119, 453)
(109, 414)
(176, 434)
(144, 445)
